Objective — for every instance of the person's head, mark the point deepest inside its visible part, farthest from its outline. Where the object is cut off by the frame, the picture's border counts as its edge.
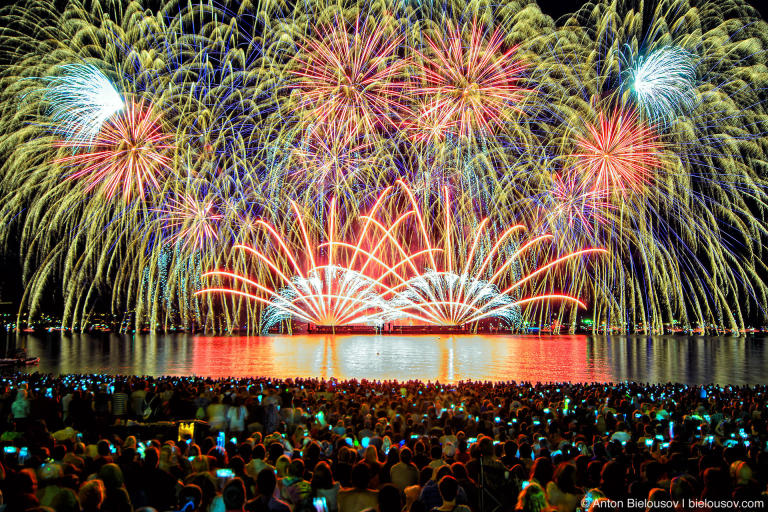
(361, 475)
(190, 498)
(486, 446)
(389, 499)
(682, 488)
(657, 499)
(371, 455)
(91, 495)
(111, 475)
(275, 451)
(104, 448)
(282, 465)
(525, 451)
(449, 488)
(266, 482)
(259, 452)
(151, 457)
(233, 494)
(532, 499)
(393, 456)
(591, 496)
(741, 473)
(565, 477)
(406, 456)
(322, 477)
(296, 468)
(542, 470)
(459, 471)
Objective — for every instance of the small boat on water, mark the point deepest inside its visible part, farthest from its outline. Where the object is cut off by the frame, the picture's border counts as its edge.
(10, 361)
(19, 359)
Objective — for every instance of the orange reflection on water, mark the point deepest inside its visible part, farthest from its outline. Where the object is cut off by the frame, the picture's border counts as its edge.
(447, 358)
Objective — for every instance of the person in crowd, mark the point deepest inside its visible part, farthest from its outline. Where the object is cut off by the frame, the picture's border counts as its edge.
(449, 490)
(265, 500)
(91, 495)
(390, 499)
(532, 499)
(236, 417)
(190, 498)
(324, 487)
(358, 497)
(562, 492)
(404, 473)
(116, 496)
(233, 496)
(295, 490)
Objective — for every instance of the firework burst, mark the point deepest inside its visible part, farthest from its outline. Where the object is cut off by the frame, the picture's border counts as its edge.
(618, 153)
(127, 156)
(469, 83)
(343, 287)
(191, 222)
(466, 287)
(349, 78)
(662, 83)
(81, 99)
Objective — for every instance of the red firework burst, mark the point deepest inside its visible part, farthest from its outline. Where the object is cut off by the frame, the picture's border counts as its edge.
(619, 152)
(469, 83)
(350, 77)
(128, 154)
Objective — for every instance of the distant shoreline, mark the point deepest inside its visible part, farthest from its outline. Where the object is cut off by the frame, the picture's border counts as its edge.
(374, 333)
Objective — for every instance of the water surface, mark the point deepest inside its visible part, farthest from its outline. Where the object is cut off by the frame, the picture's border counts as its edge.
(448, 358)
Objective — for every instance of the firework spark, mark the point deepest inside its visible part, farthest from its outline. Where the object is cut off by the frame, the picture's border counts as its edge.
(350, 77)
(81, 99)
(465, 289)
(575, 206)
(192, 222)
(662, 82)
(619, 153)
(127, 155)
(471, 84)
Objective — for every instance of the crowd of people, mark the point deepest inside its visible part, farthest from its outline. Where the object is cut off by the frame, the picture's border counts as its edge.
(105, 443)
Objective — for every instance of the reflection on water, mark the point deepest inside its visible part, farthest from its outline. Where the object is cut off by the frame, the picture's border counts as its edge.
(446, 358)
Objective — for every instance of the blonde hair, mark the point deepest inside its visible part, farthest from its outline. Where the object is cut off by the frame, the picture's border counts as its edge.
(532, 499)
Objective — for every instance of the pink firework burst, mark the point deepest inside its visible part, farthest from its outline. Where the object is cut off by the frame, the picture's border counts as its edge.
(350, 77)
(618, 153)
(127, 156)
(193, 222)
(330, 157)
(469, 83)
